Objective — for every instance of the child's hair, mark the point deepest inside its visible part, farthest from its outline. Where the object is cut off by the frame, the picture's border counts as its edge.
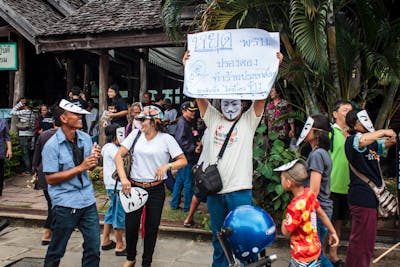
(111, 132)
(321, 129)
(298, 173)
(351, 119)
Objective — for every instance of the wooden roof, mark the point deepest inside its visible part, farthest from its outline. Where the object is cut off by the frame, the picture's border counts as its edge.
(102, 16)
(29, 17)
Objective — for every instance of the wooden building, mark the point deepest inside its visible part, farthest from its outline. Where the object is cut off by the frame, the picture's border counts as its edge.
(91, 44)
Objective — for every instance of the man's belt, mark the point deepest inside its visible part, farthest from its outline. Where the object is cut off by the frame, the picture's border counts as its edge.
(146, 185)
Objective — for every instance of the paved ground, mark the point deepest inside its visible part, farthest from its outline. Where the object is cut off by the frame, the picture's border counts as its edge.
(177, 246)
(170, 250)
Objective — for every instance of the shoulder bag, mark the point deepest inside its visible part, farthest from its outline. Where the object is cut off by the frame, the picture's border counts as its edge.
(208, 182)
(128, 160)
(388, 205)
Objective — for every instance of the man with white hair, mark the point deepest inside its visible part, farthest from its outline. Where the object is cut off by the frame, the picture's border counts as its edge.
(67, 155)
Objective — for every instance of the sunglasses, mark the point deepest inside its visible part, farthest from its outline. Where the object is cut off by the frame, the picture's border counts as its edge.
(142, 119)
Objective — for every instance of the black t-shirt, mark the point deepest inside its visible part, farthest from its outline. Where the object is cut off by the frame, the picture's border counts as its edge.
(120, 105)
(366, 162)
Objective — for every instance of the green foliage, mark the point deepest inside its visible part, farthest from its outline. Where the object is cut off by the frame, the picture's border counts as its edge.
(268, 191)
(12, 165)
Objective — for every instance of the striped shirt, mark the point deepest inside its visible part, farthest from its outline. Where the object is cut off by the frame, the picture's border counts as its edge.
(23, 116)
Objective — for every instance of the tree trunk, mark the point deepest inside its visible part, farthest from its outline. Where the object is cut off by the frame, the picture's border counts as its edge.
(331, 32)
(386, 106)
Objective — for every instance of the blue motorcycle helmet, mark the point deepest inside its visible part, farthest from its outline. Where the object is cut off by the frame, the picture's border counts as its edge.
(251, 230)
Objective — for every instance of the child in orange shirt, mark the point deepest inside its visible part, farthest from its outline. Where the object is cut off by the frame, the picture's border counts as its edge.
(301, 217)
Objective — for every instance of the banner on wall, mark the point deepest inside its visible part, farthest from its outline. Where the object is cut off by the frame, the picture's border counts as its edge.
(231, 64)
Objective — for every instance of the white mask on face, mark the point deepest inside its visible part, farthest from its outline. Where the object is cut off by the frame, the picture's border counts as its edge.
(306, 129)
(120, 134)
(365, 121)
(231, 108)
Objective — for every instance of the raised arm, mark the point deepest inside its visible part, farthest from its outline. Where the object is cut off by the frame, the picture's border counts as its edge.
(368, 138)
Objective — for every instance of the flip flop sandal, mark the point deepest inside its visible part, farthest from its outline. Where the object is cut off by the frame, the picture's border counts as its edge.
(109, 246)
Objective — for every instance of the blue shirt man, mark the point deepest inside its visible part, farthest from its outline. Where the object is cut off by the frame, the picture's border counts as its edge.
(67, 156)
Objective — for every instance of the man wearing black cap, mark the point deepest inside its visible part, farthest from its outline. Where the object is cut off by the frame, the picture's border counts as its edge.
(186, 138)
(69, 153)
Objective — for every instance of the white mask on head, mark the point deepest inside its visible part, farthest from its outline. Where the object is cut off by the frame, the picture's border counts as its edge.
(120, 134)
(231, 108)
(136, 124)
(365, 120)
(306, 129)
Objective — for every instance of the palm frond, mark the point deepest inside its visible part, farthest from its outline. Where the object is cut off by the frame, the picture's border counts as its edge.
(171, 16)
(309, 33)
(296, 115)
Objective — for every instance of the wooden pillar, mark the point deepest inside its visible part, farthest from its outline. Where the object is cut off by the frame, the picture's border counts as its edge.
(70, 74)
(86, 79)
(130, 83)
(103, 86)
(19, 77)
(143, 72)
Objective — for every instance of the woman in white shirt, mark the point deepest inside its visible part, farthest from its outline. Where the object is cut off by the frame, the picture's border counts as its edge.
(151, 156)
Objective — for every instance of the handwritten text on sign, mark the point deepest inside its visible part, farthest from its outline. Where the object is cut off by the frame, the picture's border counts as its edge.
(8, 56)
(235, 64)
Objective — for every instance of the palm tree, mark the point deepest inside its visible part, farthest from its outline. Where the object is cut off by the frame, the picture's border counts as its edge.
(334, 49)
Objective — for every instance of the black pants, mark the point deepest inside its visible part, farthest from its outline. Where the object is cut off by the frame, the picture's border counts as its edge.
(47, 223)
(154, 206)
(1, 176)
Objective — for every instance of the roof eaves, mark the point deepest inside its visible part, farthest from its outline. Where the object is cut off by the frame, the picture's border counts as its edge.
(18, 22)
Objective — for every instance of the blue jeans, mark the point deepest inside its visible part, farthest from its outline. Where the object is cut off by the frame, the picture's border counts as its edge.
(219, 206)
(184, 178)
(322, 230)
(63, 224)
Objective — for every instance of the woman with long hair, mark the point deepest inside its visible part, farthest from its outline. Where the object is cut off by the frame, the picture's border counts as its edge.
(116, 106)
(316, 133)
(363, 150)
(151, 155)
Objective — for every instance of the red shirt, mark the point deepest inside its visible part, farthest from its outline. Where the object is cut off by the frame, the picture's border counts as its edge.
(301, 222)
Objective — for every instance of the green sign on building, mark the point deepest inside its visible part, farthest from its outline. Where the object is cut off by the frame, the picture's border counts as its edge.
(8, 56)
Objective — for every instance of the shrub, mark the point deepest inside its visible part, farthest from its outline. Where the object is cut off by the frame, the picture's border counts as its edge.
(12, 165)
(268, 191)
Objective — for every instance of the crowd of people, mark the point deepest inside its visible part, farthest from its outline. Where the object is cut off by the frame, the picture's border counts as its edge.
(163, 140)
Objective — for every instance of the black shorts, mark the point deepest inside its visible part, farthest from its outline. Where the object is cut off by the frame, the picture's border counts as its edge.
(340, 207)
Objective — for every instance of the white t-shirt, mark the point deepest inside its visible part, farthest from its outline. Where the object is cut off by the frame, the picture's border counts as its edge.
(148, 156)
(108, 152)
(236, 165)
(93, 116)
(171, 116)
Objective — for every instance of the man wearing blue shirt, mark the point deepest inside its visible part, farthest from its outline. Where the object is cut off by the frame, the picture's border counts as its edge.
(67, 155)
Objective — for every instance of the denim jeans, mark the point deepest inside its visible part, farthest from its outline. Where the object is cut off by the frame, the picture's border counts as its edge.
(25, 143)
(219, 206)
(322, 230)
(63, 224)
(153, 210)
(184, 178)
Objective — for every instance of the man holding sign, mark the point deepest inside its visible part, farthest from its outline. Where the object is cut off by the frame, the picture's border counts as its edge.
(236, 166)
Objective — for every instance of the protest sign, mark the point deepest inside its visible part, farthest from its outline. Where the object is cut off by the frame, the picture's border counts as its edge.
(231, 64)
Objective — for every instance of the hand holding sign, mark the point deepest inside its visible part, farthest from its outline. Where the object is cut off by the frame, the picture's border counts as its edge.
(231, 64)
